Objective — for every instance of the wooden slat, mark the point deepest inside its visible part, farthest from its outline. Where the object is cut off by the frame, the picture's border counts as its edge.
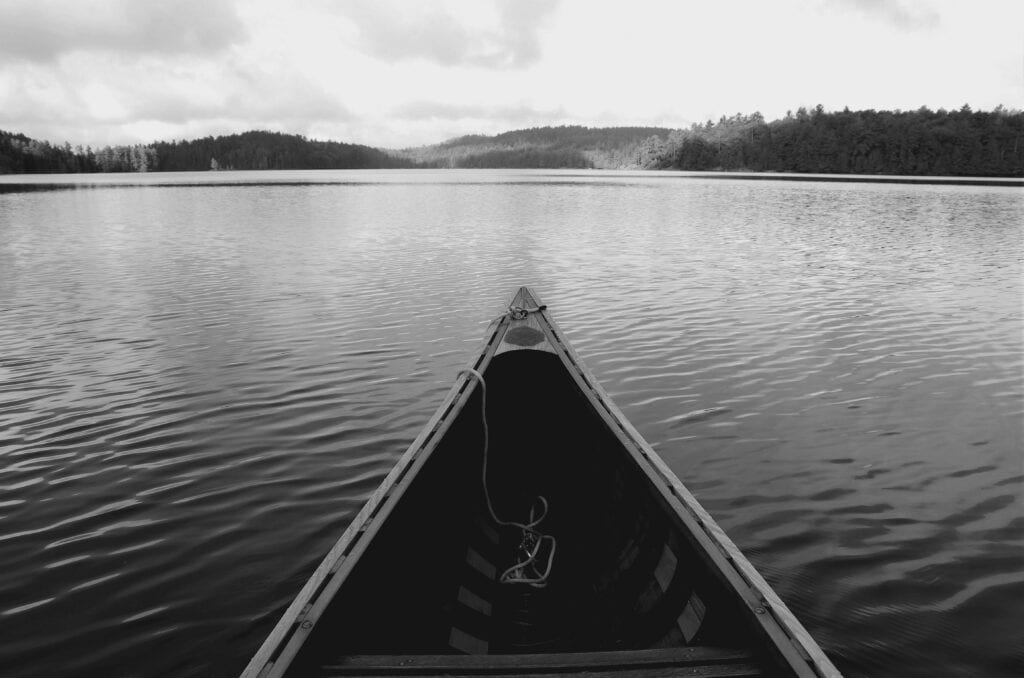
(666, 569)
(480, 564)
(465, 642)
(632, 660)
(799, 650)
(474, 602)
(692, 616)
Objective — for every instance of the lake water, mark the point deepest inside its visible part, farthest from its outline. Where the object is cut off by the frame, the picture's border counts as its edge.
(203, 376)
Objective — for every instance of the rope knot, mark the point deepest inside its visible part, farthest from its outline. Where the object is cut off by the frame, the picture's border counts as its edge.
(520, 313)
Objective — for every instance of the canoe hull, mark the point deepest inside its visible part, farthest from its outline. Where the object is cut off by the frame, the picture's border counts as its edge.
(640, 568)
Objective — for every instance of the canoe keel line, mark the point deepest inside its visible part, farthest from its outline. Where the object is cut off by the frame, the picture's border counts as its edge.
(615, 569)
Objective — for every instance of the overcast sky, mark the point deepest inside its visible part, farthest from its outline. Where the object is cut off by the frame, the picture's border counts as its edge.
(397, 73)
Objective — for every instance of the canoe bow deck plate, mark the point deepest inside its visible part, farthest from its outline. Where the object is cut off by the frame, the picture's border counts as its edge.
(524, 337)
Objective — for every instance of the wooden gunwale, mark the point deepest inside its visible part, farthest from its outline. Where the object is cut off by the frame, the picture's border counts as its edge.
(299, 619)
(798, 649)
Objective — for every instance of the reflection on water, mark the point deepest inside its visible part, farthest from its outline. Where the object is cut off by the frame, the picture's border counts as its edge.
(200, 385)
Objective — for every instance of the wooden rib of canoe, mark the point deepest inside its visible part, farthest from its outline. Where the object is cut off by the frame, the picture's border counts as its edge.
(643, 582)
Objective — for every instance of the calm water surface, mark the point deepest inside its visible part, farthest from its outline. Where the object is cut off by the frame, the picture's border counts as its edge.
(203, 376)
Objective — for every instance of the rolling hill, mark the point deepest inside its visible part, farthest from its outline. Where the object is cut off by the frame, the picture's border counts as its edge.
(570, 146)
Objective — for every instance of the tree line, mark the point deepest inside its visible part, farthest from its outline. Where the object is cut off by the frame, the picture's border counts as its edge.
(248, 151)
(921, 142)
(270, 150)
(20, 154)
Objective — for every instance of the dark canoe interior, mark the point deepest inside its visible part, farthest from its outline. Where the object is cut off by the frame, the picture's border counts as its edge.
(627, 583)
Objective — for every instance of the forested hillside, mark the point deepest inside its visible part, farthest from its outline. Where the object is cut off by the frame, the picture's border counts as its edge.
(921, 142)
(571, 146)
(270, 150)
(247, 151)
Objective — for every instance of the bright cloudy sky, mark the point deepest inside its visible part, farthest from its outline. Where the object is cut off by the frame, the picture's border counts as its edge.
(398, 73)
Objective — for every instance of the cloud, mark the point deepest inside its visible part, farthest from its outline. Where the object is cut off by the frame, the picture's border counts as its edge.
(499, 34)
(102, 98)
(296, 102)
(896, 12)
(400, 73)
(434, 110)
(42, 30)
(422, 122)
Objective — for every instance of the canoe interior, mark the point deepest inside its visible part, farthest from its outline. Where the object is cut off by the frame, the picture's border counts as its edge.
(625, 575)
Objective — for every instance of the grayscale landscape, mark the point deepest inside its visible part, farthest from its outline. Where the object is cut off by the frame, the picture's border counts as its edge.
(248, 248)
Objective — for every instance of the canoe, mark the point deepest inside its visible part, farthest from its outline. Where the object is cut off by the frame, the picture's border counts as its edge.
(530, 530)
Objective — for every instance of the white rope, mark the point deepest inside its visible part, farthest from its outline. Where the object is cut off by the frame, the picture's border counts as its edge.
(520, 312)
(530, 546)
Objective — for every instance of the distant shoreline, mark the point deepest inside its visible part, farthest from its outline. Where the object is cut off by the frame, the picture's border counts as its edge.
(862, 178)
(831, 146)
(57, 181)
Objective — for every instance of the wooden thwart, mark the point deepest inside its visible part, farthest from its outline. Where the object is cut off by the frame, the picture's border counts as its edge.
(692, 661)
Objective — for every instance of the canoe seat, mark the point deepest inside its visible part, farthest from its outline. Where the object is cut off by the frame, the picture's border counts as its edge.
(685, 661)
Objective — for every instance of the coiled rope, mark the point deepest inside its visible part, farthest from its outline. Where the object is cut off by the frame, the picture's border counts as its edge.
(525, 570)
